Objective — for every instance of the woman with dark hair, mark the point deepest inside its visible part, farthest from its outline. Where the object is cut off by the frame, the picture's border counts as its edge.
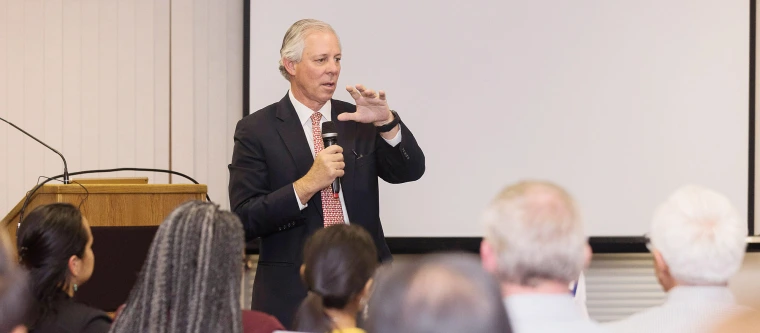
(337, 269)
(190, 281)
(55, 246)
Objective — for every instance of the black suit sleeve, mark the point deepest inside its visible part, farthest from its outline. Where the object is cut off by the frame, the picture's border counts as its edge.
(262, 210)
(403, 163)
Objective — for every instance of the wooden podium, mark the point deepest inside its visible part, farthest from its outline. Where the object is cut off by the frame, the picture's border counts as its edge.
(124, 215)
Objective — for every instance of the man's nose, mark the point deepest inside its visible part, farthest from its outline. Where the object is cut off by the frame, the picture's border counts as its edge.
(334, 67)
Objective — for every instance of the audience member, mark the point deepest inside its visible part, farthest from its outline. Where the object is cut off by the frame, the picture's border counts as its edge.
(338, 265)
(190, 281)
(698, 243)
(535, 245)
(748, 321)
(439, 294)
(15, 297)
(55, 245)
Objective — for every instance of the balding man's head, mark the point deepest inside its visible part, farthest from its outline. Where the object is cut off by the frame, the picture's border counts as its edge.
(441, 293)
(534, 233)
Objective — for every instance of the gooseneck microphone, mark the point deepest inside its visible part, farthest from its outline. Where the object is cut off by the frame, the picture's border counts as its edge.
(65, 167)
(329, 138)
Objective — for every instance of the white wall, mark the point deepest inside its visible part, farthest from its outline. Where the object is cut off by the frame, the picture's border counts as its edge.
(97, 80)
(207, 89)
(621, 102)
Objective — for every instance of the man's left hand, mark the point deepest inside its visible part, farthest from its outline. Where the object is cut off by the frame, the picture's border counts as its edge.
(371, 107)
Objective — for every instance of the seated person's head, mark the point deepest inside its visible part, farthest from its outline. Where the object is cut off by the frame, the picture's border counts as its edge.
(534, 238)
(697, 238)
(438, 294)
(15, 297)
(338, 265)
(190, 281)
(55, 246)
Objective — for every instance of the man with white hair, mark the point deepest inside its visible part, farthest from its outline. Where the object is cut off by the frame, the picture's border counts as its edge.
(535, 245)
(698, 242)
(281, 173)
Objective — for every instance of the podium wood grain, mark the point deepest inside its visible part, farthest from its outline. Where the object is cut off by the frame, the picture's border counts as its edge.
(112, 205)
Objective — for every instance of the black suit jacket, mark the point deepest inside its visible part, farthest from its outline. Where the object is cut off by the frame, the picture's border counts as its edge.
(271, 152)
(69, 316)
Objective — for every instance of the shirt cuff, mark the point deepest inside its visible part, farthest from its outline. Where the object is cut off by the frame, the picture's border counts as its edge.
(298, 201)
(396, 139)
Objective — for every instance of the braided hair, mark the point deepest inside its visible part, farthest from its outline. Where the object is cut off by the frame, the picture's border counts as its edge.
(338, 262)
(190, 281)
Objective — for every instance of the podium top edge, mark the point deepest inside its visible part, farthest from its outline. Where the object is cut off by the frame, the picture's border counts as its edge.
(123, 188)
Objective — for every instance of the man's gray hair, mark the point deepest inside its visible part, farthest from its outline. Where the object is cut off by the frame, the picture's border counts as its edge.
(700, 236)
(536, 233)
(293, 42)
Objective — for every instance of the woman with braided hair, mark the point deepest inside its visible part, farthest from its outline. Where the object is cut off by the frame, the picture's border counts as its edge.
(190, 281)
(338, 265)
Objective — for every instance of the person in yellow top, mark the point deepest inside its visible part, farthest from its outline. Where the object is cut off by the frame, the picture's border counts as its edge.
(338, 264)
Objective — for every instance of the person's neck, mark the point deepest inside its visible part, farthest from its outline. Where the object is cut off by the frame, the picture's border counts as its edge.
(343, 319)
(543, 287)
(301, 97)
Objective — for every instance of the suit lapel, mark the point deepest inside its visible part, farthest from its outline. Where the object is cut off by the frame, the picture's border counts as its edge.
(347, 140)
(291, 132)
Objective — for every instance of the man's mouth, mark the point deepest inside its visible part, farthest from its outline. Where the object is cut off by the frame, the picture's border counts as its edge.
(329, 84)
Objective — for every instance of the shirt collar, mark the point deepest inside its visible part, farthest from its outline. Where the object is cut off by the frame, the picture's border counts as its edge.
(304, 113)
(543, 307)
(714, 294)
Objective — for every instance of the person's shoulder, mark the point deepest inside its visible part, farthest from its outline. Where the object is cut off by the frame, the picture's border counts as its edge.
(342, 106)
(265, 113)
(255, 321)
(349, 330)
(639, 321)
(77, 317)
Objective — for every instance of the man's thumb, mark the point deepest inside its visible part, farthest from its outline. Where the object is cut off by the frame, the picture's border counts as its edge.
(346, 116)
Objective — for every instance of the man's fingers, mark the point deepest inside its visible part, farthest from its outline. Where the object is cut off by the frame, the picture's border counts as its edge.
(360, 87)
(369, 93)
(382, 95)
(355, 94)
(346, 116)
(334, 149)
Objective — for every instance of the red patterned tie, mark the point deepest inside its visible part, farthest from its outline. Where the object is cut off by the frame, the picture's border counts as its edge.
(331, 208)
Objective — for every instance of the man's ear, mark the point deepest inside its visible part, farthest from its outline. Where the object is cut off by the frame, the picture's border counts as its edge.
(290, 66)
(662, 271)
(587, 255)
(488, 257)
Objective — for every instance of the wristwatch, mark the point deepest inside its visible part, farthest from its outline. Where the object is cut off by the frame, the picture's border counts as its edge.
(391, 125)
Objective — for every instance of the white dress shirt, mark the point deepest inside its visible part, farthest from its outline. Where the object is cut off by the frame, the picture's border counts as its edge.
(686, 309)
(547, 313)
(304, 115)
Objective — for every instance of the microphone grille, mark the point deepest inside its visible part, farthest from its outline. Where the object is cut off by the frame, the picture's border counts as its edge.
(328, 127)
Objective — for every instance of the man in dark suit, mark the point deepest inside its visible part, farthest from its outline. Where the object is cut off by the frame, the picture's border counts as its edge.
(280, 174)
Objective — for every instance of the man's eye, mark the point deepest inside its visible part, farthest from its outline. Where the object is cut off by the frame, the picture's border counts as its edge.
(321, 60)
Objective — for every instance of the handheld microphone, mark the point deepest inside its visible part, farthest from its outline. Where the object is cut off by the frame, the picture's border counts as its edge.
(65, 167)
(329, 138)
